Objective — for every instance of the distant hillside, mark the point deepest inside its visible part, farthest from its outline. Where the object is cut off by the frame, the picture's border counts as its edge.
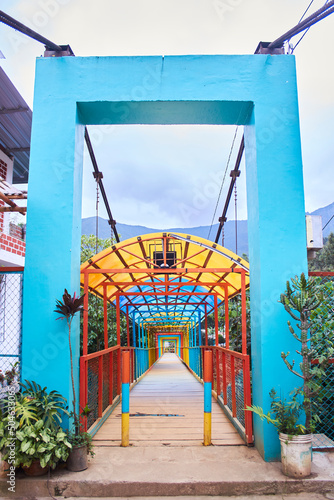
(127, 231)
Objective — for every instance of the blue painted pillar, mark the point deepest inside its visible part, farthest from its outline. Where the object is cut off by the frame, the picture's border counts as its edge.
(142, 335)
(277, 239)
(199, 329)
(194, 333)
(52, 260)
(134, 330)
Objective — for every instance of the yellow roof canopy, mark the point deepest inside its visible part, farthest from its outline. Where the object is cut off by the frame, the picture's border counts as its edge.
(144, 270)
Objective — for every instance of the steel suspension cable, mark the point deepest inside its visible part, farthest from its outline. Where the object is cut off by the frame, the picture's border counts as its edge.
(317, 16)
(324, 11)
(300, 20)
(223, 180)
(328, 222)
(305, 32)
(13, 23)
(306, 11)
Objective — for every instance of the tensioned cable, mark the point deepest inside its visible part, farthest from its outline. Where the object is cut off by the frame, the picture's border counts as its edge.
(13, 23)
(223, 181)
(324, 11)
(302, 25)
(309, 5)
(328, 222)
(293, 48)
(300, 20)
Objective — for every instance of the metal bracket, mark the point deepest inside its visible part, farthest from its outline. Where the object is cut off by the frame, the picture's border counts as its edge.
(262, 48)
(66, 51)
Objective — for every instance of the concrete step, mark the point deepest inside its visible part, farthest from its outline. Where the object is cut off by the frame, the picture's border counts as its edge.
(154, 472)
(298, 496)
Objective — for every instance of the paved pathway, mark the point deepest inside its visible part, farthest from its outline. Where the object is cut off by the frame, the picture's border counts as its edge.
(166, 409)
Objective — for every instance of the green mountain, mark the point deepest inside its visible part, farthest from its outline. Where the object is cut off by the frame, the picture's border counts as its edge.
(127, 231)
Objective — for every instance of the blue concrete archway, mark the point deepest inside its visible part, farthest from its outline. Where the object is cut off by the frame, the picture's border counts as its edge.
(258, 91)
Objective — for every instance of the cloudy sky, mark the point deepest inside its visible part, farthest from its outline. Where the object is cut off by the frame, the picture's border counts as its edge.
(171, 176)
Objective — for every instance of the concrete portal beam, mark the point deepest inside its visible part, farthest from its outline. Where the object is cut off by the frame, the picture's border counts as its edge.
(258, 91)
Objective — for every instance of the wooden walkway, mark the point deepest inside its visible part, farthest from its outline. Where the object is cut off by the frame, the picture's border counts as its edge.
(166, 408)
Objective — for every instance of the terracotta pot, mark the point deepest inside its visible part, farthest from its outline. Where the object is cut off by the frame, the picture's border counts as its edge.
(4, 468)
(35, 469)
(296, 455)
(77, 459)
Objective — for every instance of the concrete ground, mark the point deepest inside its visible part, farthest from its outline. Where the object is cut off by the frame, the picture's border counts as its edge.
(196, 472)
(300, 496)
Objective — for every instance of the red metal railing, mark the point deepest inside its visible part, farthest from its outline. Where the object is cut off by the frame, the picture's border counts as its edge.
(100, 380)
(100, 377)
(230, 383)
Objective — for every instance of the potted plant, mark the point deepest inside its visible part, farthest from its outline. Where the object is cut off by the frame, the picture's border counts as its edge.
(37, 448)
(82, 446)
(80, 440)
(34, 439)
(299, 300)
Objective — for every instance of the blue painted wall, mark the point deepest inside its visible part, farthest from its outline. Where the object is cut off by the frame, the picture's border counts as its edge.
(256, 90)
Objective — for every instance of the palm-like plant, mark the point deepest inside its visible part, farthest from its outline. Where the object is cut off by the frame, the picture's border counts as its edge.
(49, 406)
(67, 308)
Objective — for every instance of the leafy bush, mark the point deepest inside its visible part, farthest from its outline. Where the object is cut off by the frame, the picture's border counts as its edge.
(49, 407)
(34, 442)
(283, 414)
(34, 432)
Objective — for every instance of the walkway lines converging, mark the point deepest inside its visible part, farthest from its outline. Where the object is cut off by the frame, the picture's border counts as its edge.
(166, 408)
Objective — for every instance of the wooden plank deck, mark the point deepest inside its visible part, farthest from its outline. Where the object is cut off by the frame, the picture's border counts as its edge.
(166, 408)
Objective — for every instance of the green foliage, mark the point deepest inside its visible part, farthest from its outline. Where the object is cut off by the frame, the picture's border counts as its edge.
(82, 439)
(78, 437)
(25, 411)
(49, 407)
(96, 325)
(89, 247)
(235, 326)
(324, 260)
(283, 415)
(95, 304)
(34, 431)
(33, 442)
(322, 318)
(300, 300)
